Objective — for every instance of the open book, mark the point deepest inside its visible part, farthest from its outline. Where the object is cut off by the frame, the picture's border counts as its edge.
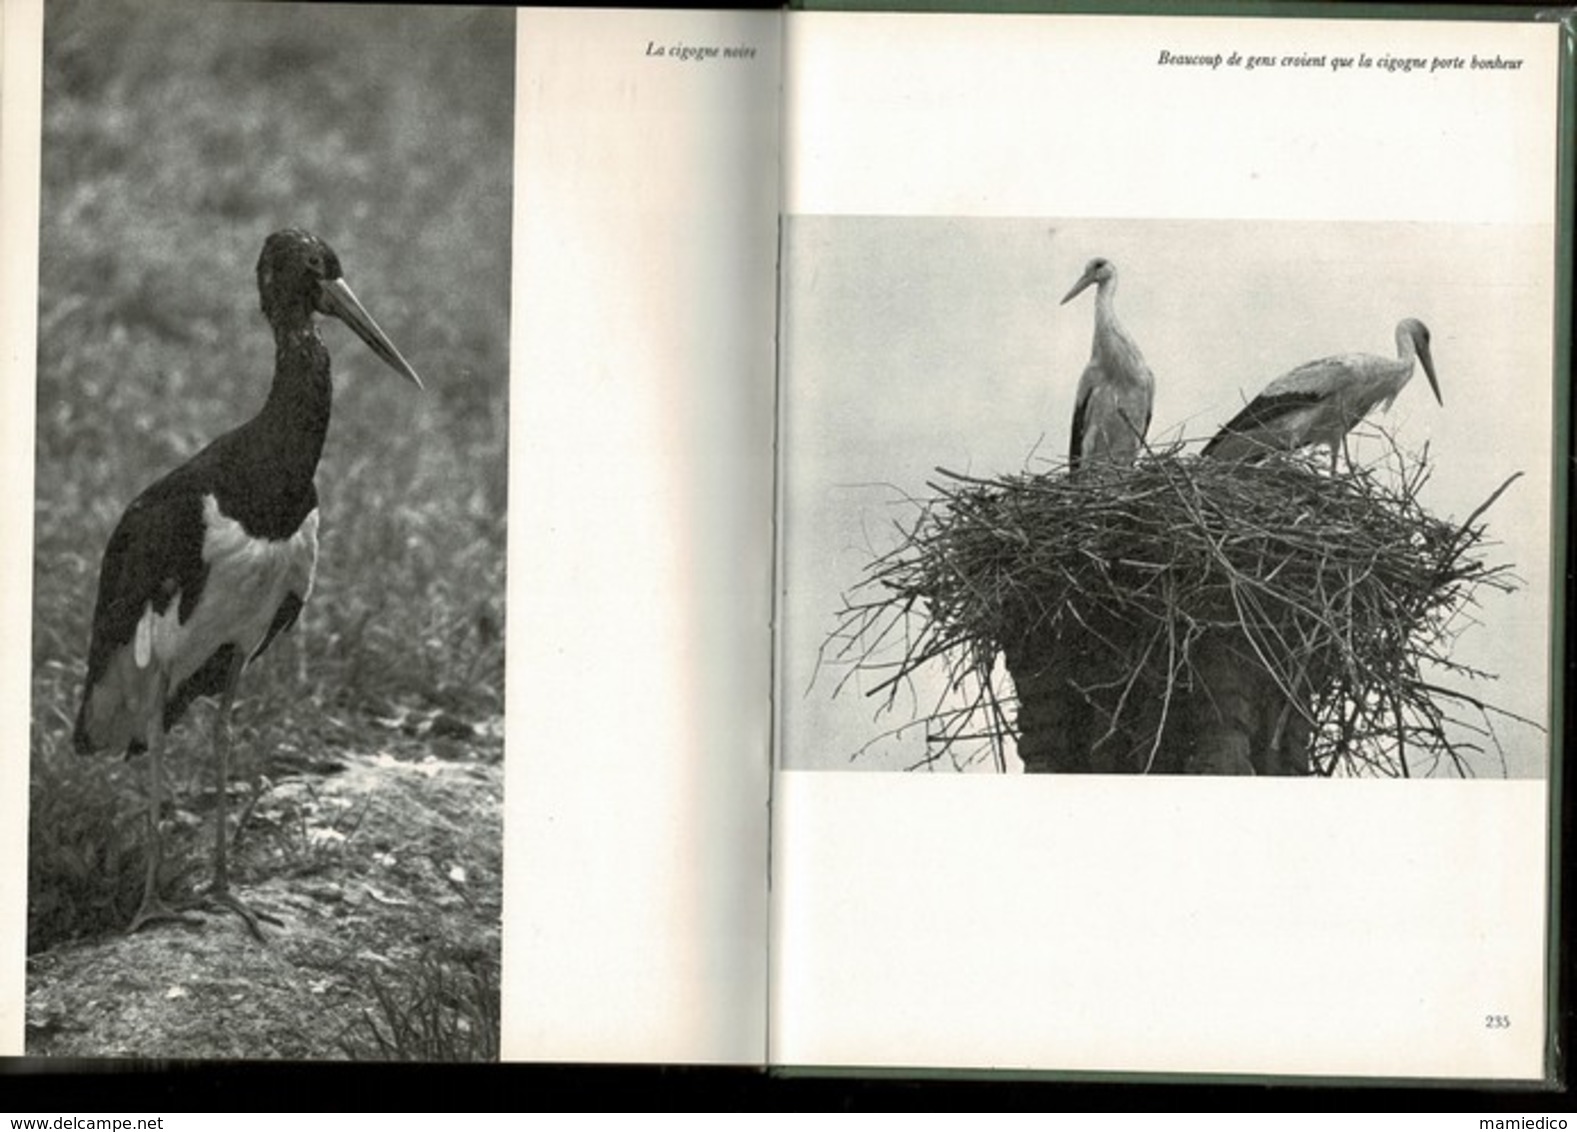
(770, 273)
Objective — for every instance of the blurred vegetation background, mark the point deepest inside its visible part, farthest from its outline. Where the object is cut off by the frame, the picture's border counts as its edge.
(176, 136)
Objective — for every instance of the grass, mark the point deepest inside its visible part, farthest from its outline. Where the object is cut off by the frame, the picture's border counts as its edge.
(176, 136)
(443, 1007)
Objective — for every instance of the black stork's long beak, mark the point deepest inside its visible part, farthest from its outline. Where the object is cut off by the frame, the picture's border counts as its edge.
(1429, 370)
(1084, 281)
(341, 302)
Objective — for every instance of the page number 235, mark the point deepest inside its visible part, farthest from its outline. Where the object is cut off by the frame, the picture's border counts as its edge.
(1497, 1021)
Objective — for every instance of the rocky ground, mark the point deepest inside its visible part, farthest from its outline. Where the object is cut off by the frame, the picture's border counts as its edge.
(384, 867)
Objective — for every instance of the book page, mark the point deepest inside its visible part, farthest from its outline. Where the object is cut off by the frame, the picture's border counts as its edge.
(21, 26)
(635, 292)
(641, 463)
(1272, 191)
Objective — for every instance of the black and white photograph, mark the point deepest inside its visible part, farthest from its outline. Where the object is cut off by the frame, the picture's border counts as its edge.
(1207, 497)
(266, 776)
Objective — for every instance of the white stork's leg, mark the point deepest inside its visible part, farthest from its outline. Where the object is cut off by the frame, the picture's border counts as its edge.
(219, 891)
(153, 907)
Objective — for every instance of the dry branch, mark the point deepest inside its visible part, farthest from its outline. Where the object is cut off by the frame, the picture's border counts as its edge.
(1342, 590)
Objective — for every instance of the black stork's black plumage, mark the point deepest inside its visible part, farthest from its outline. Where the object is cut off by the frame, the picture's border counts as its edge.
(211, 563)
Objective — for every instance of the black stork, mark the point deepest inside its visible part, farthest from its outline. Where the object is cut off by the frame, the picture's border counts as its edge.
(213, 561)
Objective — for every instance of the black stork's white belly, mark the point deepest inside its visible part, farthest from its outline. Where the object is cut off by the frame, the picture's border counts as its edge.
(247, 581)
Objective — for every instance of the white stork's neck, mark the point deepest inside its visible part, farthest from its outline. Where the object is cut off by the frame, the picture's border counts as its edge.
(1106, 323)
(1112, 345)
(1387, 378)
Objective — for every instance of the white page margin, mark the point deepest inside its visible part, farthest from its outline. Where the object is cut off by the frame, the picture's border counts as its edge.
(639, 617)
(21, 63)
(895, 115)
(1091, 923)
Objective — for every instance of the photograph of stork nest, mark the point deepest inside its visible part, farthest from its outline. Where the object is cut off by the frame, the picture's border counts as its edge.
(1182, 616)
(212, 176)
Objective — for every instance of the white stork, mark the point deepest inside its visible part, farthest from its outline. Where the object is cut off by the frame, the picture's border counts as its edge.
(1318, 402)
(1117, 391)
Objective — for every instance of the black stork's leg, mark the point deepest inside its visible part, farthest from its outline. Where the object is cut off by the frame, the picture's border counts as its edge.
(219, 891)
(153, 908)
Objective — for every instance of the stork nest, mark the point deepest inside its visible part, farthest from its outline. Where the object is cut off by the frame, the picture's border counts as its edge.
(1347, 592)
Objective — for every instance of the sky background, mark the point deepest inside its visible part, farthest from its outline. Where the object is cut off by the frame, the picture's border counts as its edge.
(914, 342)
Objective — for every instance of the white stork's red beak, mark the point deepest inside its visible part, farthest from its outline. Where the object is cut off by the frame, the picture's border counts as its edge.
(340, 301)
(1084, 281)
(1429, 370)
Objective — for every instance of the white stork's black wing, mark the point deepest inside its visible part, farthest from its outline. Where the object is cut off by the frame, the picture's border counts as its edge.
(1260, 417)
(1076, 438)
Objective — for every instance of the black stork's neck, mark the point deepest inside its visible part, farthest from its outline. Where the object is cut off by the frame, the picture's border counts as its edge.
(296, 414)
(271, 488)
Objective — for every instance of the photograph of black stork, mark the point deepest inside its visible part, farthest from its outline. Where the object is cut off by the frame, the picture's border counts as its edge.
(268, 608)
(209, 564)
(1320, 402)
(1116, 395)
